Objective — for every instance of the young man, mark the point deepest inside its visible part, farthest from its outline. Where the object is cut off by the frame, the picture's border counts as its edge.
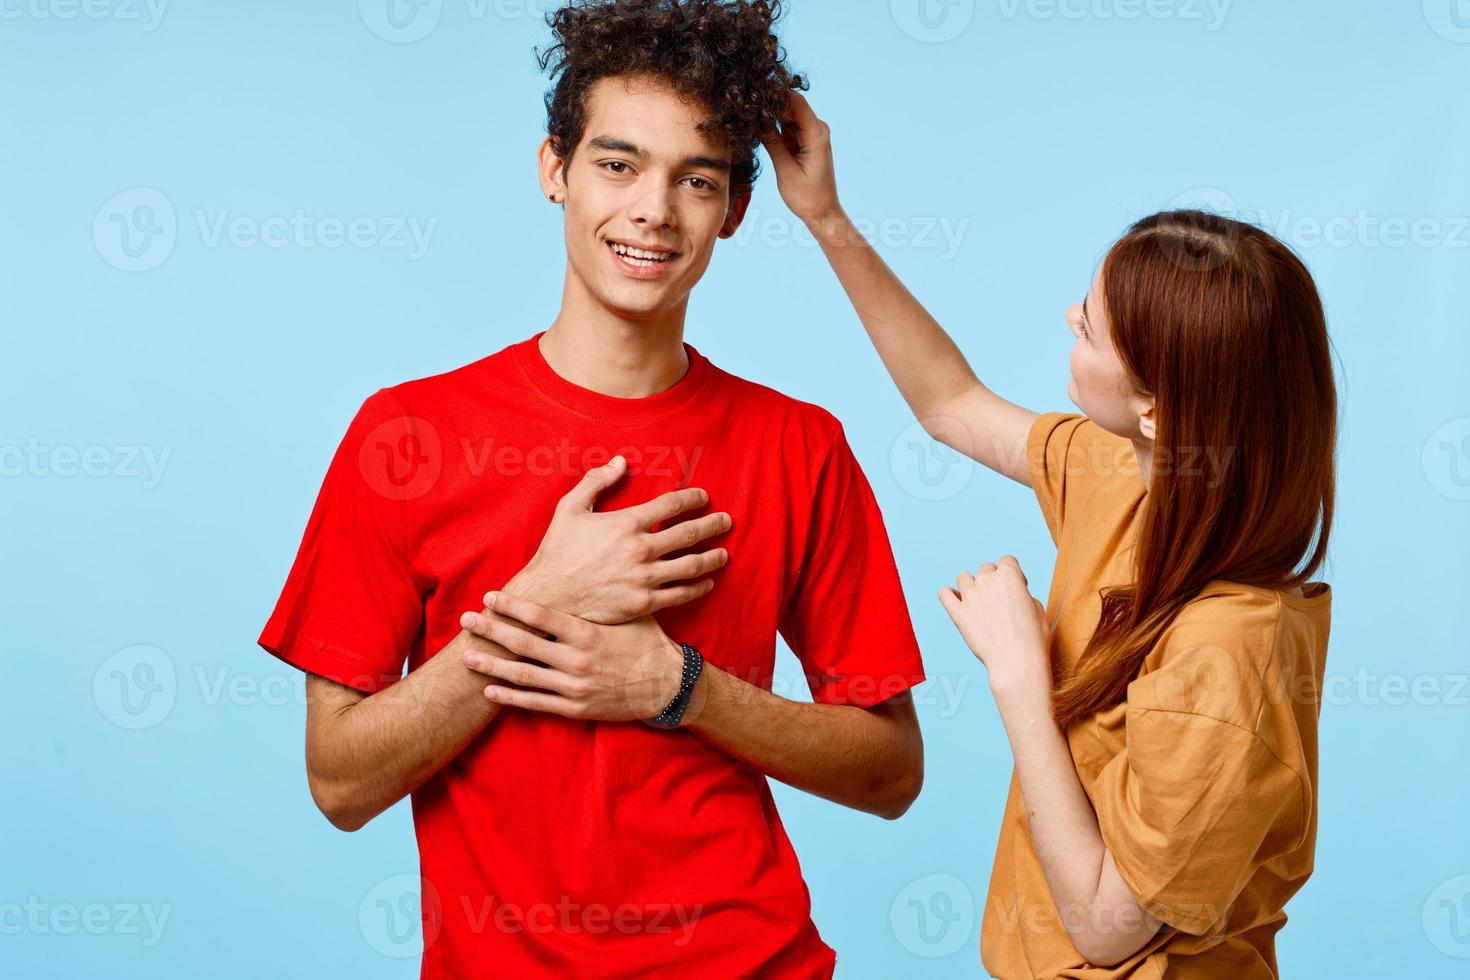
(587, 744)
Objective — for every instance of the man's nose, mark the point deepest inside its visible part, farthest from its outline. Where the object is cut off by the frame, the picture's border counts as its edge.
(655, 210)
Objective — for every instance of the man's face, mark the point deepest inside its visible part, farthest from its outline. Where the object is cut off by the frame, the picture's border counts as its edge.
(646, 196)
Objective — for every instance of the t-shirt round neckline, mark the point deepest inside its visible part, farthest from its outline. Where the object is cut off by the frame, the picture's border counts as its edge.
(595, 405)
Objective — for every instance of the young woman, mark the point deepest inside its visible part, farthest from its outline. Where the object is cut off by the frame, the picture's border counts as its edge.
(1162, 708)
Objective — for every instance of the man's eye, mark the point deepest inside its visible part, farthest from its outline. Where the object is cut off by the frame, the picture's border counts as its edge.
(616, 166)
(699, 183)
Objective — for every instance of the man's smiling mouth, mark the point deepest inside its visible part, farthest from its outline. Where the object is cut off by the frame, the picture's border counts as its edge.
(641, 258)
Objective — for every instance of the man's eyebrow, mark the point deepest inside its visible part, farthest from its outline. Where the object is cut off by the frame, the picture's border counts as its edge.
(612, 144)
(708, 163)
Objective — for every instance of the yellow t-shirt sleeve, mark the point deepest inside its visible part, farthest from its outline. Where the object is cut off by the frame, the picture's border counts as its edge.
(1191, 809)
(1049, 448)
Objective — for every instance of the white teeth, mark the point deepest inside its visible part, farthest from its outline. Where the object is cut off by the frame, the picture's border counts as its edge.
(644, 256)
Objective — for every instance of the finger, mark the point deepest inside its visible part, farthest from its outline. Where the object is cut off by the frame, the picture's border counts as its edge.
(951, 601)
(515, 638)
(689, 533)
(800, 111)
(518, 673)
(691, 566)
(584, 495)
(786, 136)
(801, 129)
(532, 701)
(1011, 561)
(678, 595)
(965, 581)
(569, 629)
(987, 567)
(775, 145)
(667, 506)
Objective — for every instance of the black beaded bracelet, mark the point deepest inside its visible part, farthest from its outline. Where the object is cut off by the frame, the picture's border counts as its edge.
(673, 715)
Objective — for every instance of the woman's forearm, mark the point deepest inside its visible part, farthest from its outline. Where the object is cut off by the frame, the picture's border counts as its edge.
(923, 360)
(1102, 917)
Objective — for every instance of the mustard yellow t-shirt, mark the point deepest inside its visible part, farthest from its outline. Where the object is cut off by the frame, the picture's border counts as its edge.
(1205, 779)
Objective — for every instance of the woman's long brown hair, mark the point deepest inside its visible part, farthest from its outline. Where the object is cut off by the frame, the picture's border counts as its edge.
(1222, 325)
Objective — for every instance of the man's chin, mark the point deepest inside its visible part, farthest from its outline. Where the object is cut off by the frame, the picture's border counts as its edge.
(635, 303)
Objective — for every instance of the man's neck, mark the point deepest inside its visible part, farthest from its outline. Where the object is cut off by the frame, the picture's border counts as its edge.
(595, 348)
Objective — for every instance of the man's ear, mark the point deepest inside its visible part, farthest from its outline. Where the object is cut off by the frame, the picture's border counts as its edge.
(553, 171)
(1147, 426)
(736, 212)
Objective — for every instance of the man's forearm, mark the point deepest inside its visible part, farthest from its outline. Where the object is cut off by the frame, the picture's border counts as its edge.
(366, 753)
(864, 758)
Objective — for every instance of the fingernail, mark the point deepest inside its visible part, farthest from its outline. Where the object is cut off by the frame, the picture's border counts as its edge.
(468, 620)
(616, 462)
(490, 598)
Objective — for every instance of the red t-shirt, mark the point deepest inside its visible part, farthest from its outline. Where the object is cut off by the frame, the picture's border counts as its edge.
(554, 847)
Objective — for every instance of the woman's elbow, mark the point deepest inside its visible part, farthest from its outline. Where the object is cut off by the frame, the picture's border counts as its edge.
(1106, 949)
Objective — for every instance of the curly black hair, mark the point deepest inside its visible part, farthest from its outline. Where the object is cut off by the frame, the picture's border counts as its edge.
(723, 53)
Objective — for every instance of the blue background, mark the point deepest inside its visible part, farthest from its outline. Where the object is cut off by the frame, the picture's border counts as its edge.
(153, 755)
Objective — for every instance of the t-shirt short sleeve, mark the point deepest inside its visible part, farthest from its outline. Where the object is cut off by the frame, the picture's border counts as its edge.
(846, 619)
(1054, 449)
(350, 609)
(1194, 805)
